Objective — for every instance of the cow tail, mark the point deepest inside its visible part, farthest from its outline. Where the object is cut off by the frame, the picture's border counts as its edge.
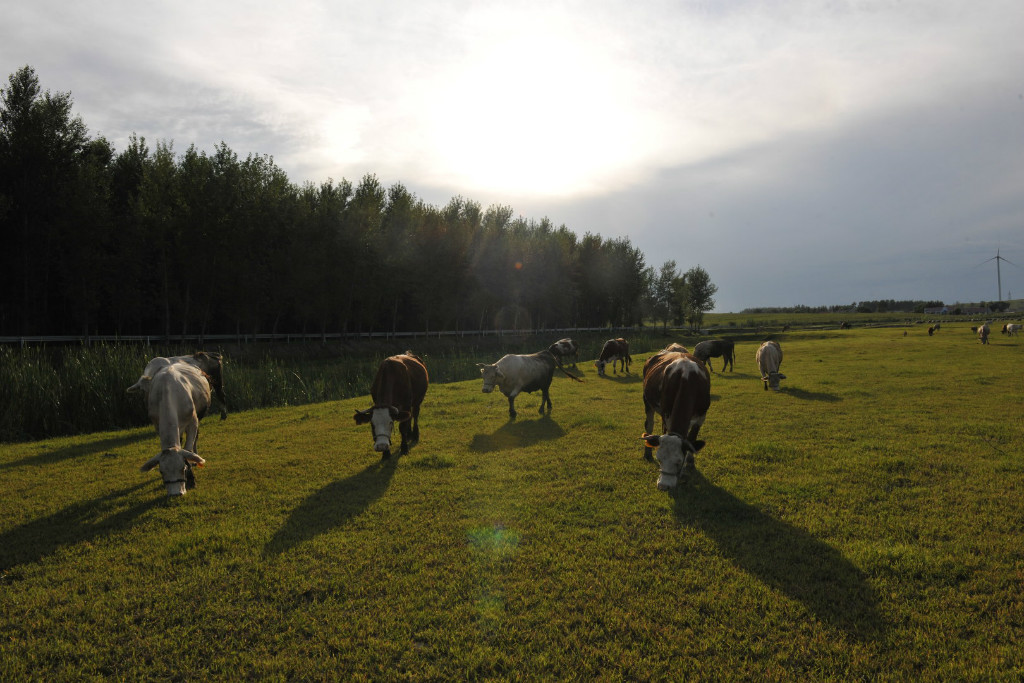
(566, 373)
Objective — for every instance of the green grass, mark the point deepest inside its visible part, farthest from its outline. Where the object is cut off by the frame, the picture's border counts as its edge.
(862, 524)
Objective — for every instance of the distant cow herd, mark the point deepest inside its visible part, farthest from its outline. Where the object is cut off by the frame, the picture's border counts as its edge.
(179, 391)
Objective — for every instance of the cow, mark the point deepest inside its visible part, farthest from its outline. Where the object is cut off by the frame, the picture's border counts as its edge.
(614, 350)
(397, 392)
(565, 348)
(844, 325)
(677, 386)
(931, 331)
(769, 358)
(1011, 329)
(713, 348)
(178, 397)
(516, 373)
(983, 331)
(209, 363)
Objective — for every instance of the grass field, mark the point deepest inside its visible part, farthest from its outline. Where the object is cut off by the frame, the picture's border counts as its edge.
(862, 524)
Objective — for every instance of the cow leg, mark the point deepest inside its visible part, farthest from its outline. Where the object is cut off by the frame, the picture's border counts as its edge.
(695, 425)
(512, 405)
(406, 431)
(648, 426)
(415, 425)
(545, 399)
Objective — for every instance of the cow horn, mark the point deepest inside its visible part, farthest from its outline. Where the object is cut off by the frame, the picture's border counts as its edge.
(651, 440)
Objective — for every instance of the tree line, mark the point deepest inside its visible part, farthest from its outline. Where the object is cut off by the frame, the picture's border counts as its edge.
(149, 241)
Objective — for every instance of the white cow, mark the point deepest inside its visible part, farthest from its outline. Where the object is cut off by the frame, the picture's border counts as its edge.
(1011, 328)
(179, 394)
(983, 333)
(210, 363)
(516, 373)
(769, 358)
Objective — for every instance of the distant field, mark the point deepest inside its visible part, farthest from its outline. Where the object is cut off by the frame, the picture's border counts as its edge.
(862, 524)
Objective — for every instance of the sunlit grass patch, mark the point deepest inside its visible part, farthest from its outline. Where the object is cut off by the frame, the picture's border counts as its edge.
(858, 525)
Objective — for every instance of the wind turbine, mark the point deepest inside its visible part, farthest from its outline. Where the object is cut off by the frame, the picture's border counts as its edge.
(999, 278)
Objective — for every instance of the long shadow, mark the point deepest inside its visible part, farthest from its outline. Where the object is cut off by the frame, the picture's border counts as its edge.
(68, 452)
(811, 395)
(332, 506)
(517, 435)
(783, 557)
(84, 521)
(631, 378)
(733, 375)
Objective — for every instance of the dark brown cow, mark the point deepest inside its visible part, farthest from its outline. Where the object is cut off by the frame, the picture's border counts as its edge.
(713, 348)
(614, 350)
(677, 386)
(397, 392)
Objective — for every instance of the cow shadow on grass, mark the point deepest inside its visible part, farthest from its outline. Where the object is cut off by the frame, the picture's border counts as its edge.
(79, 450)
(725, 374)
(332, 506)
(803, 395)
(85, 521)
(517, 435)
(631, 378)
(783, 557)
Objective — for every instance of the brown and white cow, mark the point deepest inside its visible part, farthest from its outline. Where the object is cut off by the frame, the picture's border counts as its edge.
(713, 348)
(515, 373)
(177, 398)
(1011, 329)
(397, 392)
(614, 350)
(210, 363)
(769, 358)
(983, 332)
(677, 386)
(565, 348)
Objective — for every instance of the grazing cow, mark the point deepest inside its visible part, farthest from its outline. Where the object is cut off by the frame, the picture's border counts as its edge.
(209, 363)
(516, 373)
(844, 325)
(677, 386)
(1011, 329)
(565, 348)
(983, 333)
(769, 358)
(398, 390)
(614, 350)
(178, 397)
(713, 348)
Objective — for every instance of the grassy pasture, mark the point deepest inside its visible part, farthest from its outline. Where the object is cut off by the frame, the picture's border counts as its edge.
(863, 523)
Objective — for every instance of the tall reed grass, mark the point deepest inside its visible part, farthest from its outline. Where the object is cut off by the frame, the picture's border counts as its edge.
(50, 391)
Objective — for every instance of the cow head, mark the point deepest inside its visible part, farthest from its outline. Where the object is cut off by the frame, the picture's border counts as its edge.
(772, 380)
(600, 365)
(382, 421)
(175, 469)
(492, 376)
(141, 385)
(675, 454)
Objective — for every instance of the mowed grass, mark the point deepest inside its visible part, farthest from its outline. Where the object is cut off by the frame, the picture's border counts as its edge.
(865, 523)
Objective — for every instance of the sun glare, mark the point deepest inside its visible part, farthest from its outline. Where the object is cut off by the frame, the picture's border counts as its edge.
(540, 114)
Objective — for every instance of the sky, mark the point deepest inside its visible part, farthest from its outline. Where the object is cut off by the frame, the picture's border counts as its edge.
(803, 153)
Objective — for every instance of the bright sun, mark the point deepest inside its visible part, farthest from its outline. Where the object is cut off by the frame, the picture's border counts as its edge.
(540, 114)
